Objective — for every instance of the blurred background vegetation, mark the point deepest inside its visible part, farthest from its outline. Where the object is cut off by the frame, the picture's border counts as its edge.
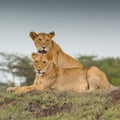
(110, 65)
(16, 69)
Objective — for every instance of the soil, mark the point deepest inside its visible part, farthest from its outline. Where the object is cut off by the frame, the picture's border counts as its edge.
(115, 95)
(40, 111)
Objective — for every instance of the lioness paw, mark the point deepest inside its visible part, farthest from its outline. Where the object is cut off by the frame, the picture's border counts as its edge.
(23, 90)
(12, 89)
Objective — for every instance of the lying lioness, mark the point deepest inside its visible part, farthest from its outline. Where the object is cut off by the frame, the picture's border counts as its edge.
(49, 75)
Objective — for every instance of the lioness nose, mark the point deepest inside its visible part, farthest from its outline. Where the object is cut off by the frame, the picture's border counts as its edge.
(43, 47)
(39, 70)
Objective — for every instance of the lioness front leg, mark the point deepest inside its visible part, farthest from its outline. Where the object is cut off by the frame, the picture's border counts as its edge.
(25, 89)
(12, 89)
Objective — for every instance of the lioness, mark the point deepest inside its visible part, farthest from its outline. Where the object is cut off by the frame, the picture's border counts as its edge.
(49, 75)
(45, 45)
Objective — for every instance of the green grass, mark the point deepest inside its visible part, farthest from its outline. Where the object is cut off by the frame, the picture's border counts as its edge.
(56, 105)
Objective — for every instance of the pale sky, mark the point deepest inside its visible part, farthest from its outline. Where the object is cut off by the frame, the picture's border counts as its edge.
(81, 26)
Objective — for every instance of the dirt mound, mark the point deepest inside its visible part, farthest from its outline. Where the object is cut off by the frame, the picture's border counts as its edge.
(115, 95)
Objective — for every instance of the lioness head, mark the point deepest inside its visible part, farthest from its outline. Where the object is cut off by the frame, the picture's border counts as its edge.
(41, 63)
(42, 41)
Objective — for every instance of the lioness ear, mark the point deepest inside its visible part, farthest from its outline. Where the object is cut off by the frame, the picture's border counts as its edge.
(52, 34)
(33, 35)
(33, 55)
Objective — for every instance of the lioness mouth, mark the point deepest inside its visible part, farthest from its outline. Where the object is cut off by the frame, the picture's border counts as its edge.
(42, 51)
(40, 73)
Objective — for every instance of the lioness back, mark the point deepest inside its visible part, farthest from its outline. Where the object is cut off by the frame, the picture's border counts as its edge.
(45, 45)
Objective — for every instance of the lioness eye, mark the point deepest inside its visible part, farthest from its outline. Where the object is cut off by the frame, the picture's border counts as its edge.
(39, 39)
(36, 61)
(44, 62)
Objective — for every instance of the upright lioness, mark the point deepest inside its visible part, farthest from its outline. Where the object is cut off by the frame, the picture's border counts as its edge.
(49, 75)
(45, 45)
